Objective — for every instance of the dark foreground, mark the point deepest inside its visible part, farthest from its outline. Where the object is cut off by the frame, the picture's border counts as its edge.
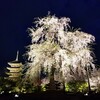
(50, 96)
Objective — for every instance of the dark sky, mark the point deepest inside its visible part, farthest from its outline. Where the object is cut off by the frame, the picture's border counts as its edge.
(17, 15)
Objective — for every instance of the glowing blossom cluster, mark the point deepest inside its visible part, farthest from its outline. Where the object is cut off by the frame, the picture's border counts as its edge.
(53, 45)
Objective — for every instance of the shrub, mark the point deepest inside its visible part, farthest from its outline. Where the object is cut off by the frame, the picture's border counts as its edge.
(76, 87)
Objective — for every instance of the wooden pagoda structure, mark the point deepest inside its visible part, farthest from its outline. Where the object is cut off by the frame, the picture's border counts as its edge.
(15, 69)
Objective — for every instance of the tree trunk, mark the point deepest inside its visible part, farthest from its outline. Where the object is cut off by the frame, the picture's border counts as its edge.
(87, 71)
(52, 85)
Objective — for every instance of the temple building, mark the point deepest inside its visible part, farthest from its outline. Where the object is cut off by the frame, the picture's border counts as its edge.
(14, 69)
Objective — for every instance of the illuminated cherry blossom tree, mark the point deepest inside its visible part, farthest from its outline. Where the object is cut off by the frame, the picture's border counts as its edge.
(58, 53)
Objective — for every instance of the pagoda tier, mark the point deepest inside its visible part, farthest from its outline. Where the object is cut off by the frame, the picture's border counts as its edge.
(16, 69)
(15, 64)
(12, 74)
(13, 78)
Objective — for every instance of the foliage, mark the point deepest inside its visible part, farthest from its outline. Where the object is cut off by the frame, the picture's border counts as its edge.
(6, 85)
(76, 87)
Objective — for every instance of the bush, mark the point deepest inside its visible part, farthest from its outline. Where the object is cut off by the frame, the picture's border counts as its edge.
(76, 87)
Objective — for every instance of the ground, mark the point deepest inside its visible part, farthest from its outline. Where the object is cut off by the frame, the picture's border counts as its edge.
(50, 95)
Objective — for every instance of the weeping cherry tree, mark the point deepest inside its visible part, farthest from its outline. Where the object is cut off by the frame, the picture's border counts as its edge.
(56, 53)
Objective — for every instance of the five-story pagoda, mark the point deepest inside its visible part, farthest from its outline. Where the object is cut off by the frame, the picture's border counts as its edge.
(14, 69)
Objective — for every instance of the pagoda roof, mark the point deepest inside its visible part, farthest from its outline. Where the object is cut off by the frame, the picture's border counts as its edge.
(16, 69)
(13, 74)
(15, 64)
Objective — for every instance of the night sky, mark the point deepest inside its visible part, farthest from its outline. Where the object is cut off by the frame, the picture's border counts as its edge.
(17, 15)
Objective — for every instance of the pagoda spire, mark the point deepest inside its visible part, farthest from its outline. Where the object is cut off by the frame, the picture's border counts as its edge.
(17, 56)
